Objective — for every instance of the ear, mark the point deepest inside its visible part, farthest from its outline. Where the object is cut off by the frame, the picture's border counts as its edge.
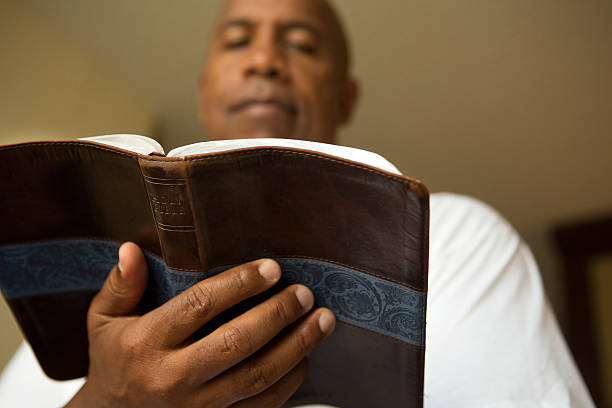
(350, 95)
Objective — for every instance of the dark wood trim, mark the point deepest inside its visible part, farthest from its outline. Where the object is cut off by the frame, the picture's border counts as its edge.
(579, 243)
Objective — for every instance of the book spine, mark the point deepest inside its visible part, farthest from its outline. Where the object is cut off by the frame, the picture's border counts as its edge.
(168, 191)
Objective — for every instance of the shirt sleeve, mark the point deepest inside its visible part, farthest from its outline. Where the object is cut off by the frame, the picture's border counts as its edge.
(492, 338)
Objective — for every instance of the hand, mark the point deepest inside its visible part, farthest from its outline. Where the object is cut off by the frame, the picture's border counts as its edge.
(150, 361)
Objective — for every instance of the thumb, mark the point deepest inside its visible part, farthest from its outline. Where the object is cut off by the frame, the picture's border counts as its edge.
(124, 285)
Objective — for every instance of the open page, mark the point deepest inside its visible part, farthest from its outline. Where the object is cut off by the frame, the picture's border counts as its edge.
(350, 153)
(133, 143)
(146, 145)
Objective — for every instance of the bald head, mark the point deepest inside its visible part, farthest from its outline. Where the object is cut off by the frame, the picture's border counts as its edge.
(320, 10)
(277, 68)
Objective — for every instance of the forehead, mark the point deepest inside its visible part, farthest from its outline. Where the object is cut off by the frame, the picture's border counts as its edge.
(313, 12)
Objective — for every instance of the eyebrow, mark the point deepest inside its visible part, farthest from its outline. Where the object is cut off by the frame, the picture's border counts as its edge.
(235, 22)
(291, 24)
(303, 25)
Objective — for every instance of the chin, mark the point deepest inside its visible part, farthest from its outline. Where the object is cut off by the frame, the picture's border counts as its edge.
(277, 132)
(267, 135)
(263, 133)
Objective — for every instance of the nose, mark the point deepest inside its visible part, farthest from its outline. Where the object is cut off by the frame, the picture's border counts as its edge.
(266, 59)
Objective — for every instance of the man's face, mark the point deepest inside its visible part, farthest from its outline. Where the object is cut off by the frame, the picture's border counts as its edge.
(276, 68)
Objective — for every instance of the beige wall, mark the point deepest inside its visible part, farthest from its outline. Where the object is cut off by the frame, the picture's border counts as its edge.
(53, 89)
(50, 89)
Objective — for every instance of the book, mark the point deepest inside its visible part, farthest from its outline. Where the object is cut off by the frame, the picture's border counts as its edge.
(340, 220)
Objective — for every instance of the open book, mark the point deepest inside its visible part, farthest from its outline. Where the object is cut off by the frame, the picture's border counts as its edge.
(342, 221)
(146, 145)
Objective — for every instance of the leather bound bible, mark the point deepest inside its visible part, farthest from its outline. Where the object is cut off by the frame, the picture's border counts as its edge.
(340, 220)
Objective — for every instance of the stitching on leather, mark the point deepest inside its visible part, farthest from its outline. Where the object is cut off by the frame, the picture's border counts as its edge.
(307, 154)
(68, 143)
(212, 156)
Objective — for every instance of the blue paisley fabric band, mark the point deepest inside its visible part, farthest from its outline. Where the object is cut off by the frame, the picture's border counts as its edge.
(355, 297)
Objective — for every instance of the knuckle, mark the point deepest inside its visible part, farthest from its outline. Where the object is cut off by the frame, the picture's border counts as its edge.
(240, 278)
(131, 345)
(235, 341)
(198, 300)
(163, 380)
(259, 377)
(304, 342)
(280, 311)
(163, 387)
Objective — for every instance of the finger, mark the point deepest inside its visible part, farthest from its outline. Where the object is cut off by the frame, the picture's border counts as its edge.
(124, 285)
(244, 335)
(266, 367)
(182, 315)
(279, 392)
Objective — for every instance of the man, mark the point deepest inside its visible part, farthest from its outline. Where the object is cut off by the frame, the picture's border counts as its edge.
(280, 69)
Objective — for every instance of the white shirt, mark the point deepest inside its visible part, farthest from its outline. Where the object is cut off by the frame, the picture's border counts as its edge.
(492, 339)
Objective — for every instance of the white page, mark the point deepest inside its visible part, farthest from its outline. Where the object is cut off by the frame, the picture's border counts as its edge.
(351, 153)
(134, 143)
(145, 145)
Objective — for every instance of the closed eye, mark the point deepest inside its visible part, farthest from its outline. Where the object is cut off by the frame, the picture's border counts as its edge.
(236, 34)
(305, 48)
(239, 43)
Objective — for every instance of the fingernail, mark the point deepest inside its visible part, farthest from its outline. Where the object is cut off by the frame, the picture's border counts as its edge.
(269, 270)
(119, 265)
(304, 296)
(121, 270)
(327, 321)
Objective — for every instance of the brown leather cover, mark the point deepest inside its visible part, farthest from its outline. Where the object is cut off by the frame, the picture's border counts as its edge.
(207, 211)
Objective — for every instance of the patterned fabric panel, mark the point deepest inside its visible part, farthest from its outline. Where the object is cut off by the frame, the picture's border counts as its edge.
(355, 297)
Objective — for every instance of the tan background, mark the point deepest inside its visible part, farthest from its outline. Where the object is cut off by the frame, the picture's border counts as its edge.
(508, 101)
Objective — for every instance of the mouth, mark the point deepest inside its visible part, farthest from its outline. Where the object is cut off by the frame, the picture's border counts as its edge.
(264, 106)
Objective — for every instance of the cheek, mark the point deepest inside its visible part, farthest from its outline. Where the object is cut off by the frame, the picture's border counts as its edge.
(318, 88)
(220, 81)
(323, 101)
(213, 99)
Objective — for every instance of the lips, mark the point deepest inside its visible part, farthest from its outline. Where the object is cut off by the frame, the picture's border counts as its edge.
(264, 104)
(259, 96)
